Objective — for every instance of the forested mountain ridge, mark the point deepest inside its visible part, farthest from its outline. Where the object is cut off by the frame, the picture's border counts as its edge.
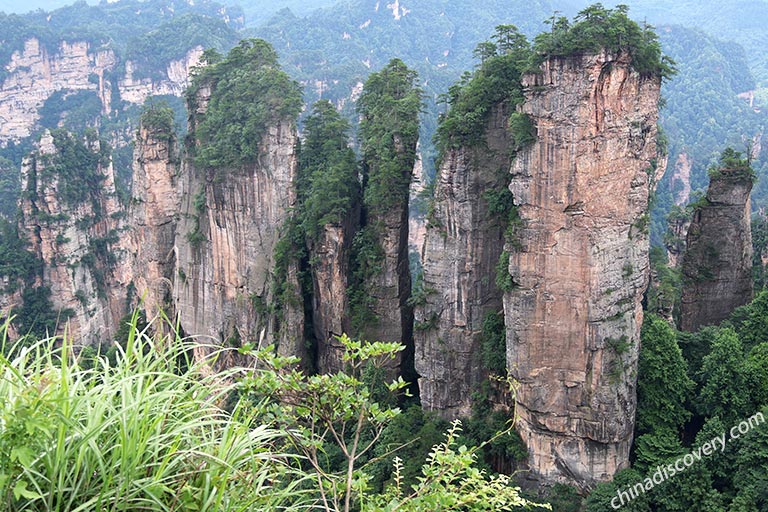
(739, 21)
(707, 108)
(330, 52)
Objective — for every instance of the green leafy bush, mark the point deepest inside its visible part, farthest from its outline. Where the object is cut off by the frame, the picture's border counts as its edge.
(148, 433)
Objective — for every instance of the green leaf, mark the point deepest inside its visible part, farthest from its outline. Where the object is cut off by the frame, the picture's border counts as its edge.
(23, 454)
(20, 491)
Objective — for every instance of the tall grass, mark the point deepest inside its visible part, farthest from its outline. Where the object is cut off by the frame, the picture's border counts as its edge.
(149, 432)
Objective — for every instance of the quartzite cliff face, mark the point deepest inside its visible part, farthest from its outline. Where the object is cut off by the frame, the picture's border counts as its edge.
(573, 318)
(330, 279)
(717, 263)
(73, 226)
(152, 217)
(463, 244)
(230, 223)
(36, 72)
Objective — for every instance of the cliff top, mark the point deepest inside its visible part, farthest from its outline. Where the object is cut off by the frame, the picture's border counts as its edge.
(732, 166)
(597, 28)
(249, 92)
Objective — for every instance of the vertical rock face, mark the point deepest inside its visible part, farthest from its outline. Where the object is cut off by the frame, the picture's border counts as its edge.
(681, 179)
(678, 223)
(717, 263)
(581, 266)
(36, 72)
(230, 223)
(390, 287)
(136, 89)
(72, 226)
(330, 277)
(461, 252)
(152, 217)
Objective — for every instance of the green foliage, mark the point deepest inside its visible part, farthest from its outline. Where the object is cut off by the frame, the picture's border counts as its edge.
(600, 499)
(143, 434)
(420, 292)
(249, 92)
(450, 481)
(411, 435)
(195, 236)
(722, 393)
(663, 387)
(329, 187)
(596, 28)
(37, 316)
(564, 498)
(159, 118)
(759, 247)
(429, 323)
(732, 165)
(497, 80)
(692, 489)
(751, 321)
(77, 167)
(367, 257)
(10, 186)
(655, 447)
(17, 264)
(751, 478)
(493, 343)
(522, 130)
(389, 107)
(504, 279)
(75, 110)
(289, 250)
(490, 428)
(318, 409)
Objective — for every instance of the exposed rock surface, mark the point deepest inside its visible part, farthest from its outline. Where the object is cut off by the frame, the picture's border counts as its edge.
(461, 252)
(390, 287)
(36, 72)
(681, 179)
(330, 277)
(677, 227)
(717, 263)
(573, 318)
(74, 241)
(230, 223)
(136, 89)
(152, 217)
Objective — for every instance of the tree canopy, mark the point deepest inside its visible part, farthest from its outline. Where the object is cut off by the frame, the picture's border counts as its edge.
(328, 174)
(595, 28)
(389, 107)
(249, 92)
